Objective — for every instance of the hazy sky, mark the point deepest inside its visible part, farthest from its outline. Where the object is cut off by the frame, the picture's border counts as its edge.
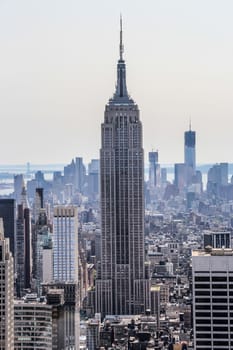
(58, 69)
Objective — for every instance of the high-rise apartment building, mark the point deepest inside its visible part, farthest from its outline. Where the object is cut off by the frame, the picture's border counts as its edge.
(6, 293)
(122, 285)
(65, 244)
(213, 299)
(65, 268)
(33, 324)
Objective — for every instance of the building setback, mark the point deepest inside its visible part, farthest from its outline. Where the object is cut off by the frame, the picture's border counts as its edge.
(122, 285)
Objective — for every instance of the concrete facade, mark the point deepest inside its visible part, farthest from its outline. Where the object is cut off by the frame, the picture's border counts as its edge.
(213, 299)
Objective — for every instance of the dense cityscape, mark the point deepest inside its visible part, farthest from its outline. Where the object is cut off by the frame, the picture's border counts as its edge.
(105, 256)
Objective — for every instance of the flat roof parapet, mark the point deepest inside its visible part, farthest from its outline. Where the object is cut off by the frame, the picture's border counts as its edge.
(213, 252)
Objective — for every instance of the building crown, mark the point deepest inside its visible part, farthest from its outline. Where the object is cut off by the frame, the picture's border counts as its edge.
(121, 95)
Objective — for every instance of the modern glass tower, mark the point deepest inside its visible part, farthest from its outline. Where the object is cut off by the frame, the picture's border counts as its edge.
(122, 285)
(190, 154)
(190, 148)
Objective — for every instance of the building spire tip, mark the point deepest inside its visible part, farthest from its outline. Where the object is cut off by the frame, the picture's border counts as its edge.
(121, 41)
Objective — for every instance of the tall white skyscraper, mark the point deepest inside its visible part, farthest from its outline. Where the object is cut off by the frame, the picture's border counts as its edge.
(213, 299)
(65, 269)
(6, 293)
(122, 285)
(65, 244)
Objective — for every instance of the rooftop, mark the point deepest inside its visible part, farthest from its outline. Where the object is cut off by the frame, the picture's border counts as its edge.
(209, 251)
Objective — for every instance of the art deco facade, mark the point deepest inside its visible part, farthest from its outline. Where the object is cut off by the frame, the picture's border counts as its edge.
(122, 285)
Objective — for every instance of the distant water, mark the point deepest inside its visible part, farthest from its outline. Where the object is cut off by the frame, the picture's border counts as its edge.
(7, 173)
(30, 168)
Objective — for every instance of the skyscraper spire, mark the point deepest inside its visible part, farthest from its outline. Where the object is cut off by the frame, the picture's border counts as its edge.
(190, 124)
(24, 199)
(121, 94)
(123, 282)
(121, 41)
(1, 229)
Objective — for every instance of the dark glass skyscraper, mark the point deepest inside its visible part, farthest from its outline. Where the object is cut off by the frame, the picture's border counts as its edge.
(8, 214)
(190, 155)
(122, 285)
(189, 149)
(23, 241)
(154, 169)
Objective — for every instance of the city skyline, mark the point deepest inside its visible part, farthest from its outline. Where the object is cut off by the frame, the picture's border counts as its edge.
(56, 58)
(101, 258)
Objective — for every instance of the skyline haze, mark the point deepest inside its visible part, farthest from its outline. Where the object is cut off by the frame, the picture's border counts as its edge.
(58, 69)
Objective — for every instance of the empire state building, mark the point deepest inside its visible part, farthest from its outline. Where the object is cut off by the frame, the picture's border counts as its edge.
(123, 283)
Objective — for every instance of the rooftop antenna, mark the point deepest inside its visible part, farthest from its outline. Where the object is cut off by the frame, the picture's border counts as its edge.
(190, 124)
(121, 43)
